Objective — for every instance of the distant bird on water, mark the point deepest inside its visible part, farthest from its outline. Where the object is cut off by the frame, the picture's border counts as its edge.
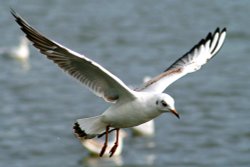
(145, 129)
(94, 145)
(128, 107)
(20, 52)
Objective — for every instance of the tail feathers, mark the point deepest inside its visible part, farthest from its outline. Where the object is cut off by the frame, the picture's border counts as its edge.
(88, 128)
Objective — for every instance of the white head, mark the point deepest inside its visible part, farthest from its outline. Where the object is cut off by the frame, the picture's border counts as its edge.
(165, 103)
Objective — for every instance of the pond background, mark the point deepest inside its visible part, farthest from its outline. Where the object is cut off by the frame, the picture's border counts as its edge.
(132, 39)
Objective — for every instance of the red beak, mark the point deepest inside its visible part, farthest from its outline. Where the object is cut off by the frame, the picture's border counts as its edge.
(175, 113)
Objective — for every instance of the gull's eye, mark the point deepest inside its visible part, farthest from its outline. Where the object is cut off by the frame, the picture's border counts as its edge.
(164, 104)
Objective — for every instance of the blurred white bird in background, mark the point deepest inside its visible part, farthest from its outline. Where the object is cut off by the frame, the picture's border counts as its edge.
(20, 52)
(146, 129)
(94, 145)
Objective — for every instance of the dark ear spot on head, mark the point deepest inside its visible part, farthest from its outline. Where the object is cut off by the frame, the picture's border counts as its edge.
(156, 102)
(164, 104)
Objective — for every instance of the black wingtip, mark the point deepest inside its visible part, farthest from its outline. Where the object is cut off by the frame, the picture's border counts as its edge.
(209, 36)
(14, 13)
(224, 29)
(17, 17)
(217, 29)
(220, 31)
(12, 10)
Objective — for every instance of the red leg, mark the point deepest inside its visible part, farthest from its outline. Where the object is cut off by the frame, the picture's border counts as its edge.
(100, 135)
(105, 143)
(113, 149)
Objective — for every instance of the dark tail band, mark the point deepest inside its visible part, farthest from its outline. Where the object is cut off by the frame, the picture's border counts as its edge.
(78, 131)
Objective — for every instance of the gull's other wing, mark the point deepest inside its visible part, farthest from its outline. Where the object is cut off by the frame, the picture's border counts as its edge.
(190, 62)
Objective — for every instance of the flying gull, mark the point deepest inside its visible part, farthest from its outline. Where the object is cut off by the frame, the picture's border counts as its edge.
(128, 107)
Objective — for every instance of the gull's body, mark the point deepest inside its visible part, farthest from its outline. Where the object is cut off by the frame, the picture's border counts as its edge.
(128, 107)
(93, 146)
(135, 112)
(131, 113)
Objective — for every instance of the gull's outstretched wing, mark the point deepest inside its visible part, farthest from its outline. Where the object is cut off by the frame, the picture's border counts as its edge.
(190, 62)
(99, 80)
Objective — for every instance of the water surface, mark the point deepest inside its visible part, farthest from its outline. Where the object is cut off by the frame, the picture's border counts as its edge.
(132, 39)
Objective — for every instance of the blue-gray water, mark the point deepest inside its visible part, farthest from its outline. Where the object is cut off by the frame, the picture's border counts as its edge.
(132, 39)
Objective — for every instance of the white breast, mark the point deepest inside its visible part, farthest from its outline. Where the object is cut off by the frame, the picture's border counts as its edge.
(130, 114)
